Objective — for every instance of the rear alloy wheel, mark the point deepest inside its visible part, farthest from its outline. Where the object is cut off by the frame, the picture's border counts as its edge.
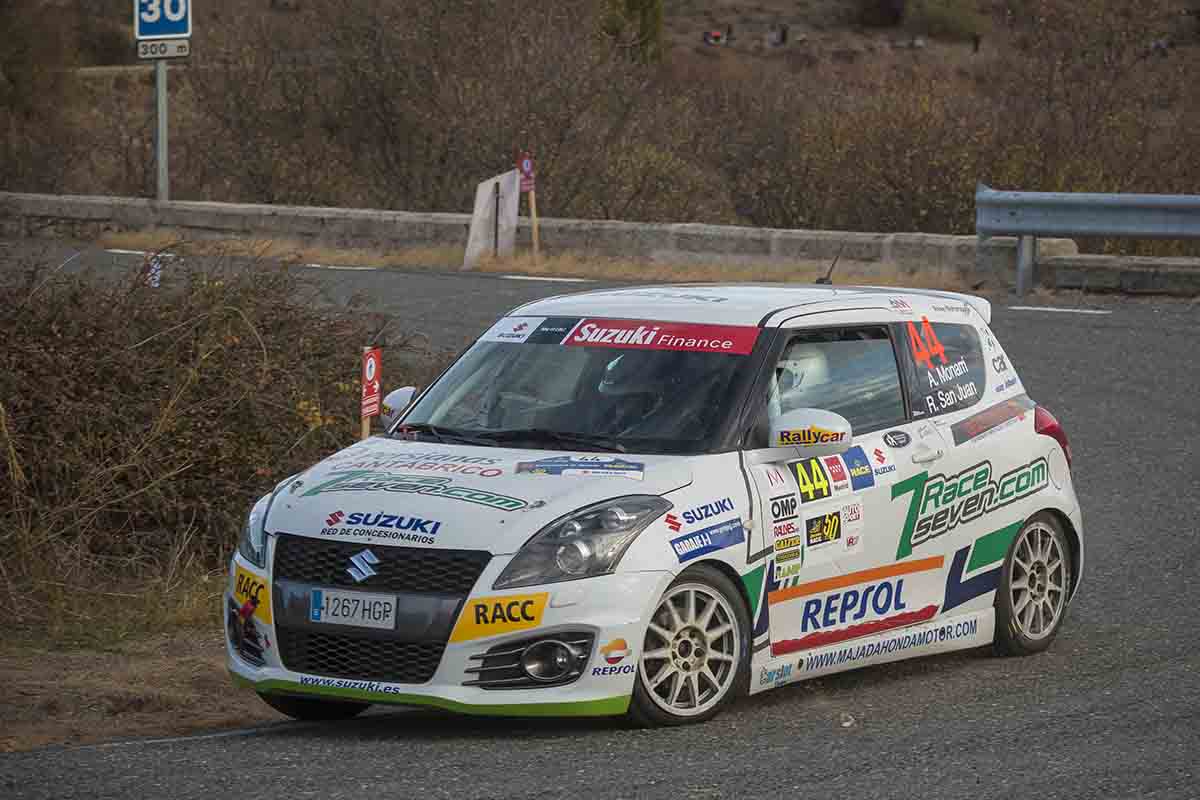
(1034, 587)
(695, 657)
(311, 708)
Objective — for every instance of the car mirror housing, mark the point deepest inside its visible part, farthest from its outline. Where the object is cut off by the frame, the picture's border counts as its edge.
(805, 432)
(394, 405)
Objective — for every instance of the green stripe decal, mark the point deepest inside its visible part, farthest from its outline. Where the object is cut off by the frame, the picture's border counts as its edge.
(607, 707)
(992, 547)
(753, 581)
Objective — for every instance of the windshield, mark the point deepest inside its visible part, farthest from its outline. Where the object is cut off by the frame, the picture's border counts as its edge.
(590, 384)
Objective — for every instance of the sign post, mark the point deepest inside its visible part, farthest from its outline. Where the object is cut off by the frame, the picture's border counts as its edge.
(528, 184)
(371, 387)
(163, 29)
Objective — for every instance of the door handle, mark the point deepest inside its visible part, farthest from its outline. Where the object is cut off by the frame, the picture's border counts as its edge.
(926, 456)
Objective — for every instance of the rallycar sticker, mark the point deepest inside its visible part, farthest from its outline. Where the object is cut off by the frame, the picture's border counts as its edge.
(830, 610)
(253, 589)
(651, 335)
(595, 466)
(810, 437)
(490, 616)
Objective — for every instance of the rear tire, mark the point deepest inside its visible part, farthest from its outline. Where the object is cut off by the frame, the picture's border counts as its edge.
(695, 656)
(1035, 585)
(311, 708)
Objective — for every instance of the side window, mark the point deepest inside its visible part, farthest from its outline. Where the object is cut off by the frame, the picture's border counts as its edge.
(944, 366)
(851, 372)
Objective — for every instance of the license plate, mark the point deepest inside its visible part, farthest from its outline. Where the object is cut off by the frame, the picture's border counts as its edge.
(360, 609)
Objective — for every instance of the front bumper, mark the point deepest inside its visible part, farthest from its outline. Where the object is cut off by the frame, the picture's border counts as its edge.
(610, 608)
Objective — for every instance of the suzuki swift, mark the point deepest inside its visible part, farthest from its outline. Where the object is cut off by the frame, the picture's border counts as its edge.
(650, 501)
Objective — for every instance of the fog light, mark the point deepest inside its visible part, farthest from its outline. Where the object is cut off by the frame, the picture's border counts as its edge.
(547, 660)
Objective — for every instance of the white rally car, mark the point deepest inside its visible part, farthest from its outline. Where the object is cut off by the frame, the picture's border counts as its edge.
(652, 500)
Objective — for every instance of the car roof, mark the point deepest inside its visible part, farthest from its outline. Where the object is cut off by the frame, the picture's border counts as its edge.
(763, 304)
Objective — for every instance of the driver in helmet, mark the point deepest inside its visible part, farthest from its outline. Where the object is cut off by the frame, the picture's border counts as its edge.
(658, 394)
(800, 380)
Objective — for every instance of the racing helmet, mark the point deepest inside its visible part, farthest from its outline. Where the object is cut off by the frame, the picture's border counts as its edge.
(634, 373)
(804, 367)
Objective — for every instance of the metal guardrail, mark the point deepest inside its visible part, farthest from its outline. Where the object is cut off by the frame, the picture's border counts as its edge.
(1032, 214)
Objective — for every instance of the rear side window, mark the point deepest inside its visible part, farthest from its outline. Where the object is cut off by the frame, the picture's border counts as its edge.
(944, 366)
(848, 371)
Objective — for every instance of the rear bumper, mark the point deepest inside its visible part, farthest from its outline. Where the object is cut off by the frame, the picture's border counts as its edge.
(611, 608)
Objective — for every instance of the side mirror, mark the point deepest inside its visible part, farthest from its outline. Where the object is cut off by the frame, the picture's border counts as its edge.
(394, 404)
(803, 433)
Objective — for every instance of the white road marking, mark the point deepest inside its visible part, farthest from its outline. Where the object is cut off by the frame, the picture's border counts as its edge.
(332, 266)
(540, 278)
(1059, 310)
(279, 726)
(127, 252)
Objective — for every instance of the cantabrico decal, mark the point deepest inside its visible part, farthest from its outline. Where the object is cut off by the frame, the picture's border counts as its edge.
(365, 480)
(941, 503)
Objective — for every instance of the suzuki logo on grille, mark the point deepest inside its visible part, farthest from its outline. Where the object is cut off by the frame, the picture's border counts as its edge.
(360, 566)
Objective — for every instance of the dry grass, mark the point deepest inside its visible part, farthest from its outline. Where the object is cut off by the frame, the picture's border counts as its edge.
(166, 684)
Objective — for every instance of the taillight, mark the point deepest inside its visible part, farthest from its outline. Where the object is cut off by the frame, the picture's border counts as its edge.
(1045, 424)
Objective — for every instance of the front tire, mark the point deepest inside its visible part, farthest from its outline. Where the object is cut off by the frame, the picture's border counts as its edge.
(695, 656)
(1035, 584)
(312, 709)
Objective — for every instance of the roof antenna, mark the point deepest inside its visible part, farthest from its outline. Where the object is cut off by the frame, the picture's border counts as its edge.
(828, 279)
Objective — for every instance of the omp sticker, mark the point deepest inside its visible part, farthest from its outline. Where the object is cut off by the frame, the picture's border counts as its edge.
(253, 588)
(512, 329)
(490, 616)
(649, 335)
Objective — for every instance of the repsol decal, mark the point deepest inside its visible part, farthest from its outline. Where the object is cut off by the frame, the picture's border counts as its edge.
(941, 503)
(489, 616)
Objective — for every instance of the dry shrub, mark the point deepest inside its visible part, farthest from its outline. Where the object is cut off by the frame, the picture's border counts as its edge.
(137, 424)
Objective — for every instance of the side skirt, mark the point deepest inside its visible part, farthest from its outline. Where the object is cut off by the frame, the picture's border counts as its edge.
(942, 635)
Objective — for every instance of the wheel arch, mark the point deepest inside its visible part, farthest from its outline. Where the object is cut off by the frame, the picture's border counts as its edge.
(1073, 541)
(729, 572)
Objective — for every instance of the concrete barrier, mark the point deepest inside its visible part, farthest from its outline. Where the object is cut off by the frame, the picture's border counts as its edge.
(922, 258)
(1126, 274)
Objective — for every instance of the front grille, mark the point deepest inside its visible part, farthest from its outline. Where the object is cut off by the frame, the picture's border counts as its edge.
(500, 666)
(343, 656)
(400, 569)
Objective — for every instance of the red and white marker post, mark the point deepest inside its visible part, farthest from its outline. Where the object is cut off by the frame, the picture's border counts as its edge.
(371, 387)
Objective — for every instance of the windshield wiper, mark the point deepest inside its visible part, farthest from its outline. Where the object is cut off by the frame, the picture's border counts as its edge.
(575, 441)
(443, 434)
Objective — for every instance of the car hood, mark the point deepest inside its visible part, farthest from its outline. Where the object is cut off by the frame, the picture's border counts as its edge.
(389, 491)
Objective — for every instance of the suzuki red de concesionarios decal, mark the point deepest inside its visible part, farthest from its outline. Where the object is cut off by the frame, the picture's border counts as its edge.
(649, 335)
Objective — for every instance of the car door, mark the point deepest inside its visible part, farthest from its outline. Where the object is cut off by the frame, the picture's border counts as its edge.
(831, 519)
(964, 506)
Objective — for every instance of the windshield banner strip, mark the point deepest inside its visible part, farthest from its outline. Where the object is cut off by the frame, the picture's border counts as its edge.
(651, 335)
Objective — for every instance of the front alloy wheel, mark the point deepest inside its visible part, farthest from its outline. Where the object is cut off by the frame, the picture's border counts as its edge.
(695, 654)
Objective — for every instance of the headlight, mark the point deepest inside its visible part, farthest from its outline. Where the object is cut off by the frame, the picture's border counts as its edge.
(253, 544)
(584, 543)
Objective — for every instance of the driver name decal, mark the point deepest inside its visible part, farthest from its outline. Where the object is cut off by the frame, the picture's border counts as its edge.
(646, 335)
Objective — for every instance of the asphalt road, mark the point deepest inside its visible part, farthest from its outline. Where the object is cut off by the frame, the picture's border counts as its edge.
(1112, 710)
